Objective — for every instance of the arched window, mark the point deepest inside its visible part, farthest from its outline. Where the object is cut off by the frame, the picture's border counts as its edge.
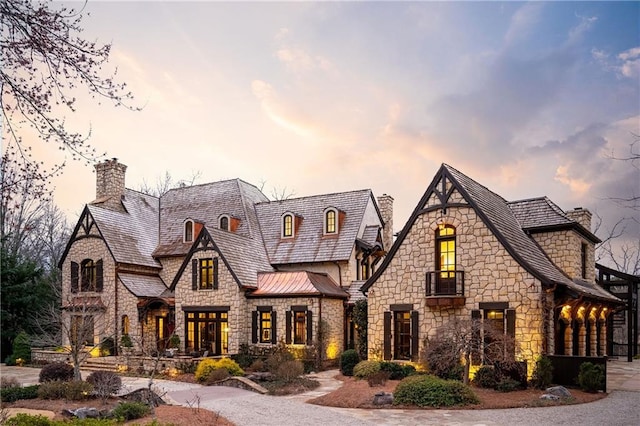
(125, 324)
(287, 225)
(330, 221)
(446, 259)
(87, 275)
(188, 231)
(224, 223)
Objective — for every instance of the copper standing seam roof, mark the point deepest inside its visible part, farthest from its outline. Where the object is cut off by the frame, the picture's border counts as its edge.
(297, 283)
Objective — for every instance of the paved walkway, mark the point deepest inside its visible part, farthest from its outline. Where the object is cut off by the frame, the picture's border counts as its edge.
(242, 407)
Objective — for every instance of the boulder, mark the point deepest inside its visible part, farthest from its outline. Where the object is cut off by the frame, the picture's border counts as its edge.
(383, 398)
(83, 413)
(559, 391)
(549, 397)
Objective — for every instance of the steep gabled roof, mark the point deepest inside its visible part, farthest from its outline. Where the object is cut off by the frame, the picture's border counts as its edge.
(144, 285)
(243, 256)
(499, 218)
(131, 235)
(309, 244)
(543, 215)
(297, 283)
(205, 204)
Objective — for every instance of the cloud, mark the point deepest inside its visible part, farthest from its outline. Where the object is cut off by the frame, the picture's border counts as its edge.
(523, 22)
(630, 66)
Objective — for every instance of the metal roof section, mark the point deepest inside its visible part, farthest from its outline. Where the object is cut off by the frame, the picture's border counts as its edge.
(309, 244)
(143, 285)
(297, 283)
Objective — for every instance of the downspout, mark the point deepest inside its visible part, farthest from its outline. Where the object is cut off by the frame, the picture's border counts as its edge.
(339, 273)
(320, 332)
(115, 311)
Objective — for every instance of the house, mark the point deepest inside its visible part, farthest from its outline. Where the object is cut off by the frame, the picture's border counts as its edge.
(220, 266)
(526, 266)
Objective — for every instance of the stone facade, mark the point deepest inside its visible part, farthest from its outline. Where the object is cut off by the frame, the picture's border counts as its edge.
(490, 275)
(565, 248)
(110, 183)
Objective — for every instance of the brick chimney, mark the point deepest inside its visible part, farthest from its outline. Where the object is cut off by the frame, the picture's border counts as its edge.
(385, 204)
(582, 216)
(110, 184)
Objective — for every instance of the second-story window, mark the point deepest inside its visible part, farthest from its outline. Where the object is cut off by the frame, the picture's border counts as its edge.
(188, 231)
(287, 226)
(86, 276)
(446, 259)
(330, 222)
(224, 223)
(583, 260)
(206, 274)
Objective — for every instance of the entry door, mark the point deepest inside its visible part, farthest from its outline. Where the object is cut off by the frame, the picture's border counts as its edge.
(402, 335)
(162, 333)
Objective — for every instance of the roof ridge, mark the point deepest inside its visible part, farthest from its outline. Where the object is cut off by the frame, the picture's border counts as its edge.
(316, 196)
(449, 167)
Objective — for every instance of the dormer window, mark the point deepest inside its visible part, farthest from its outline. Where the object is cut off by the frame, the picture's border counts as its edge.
(188, 231)
(330, 221)
(224, 223)
(287, 225)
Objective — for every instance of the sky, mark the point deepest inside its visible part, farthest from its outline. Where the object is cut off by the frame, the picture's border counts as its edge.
(529, 99)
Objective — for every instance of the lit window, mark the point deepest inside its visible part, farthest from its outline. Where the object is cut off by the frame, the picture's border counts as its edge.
(206, 274)
(330, 225)
(125, 324)
(287, 225)
(265, 327)
(446, 259)
(188, 231)
(224, 223)
(300, 327)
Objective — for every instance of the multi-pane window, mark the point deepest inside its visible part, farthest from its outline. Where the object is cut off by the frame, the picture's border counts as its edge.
(208, 331)
(299, 327)
(330, 222)
(224, 223)
(125, 324)
(287, 225)
(265, 327)
(206, 274)
(88, 275)
(446, 259)
(402, 335)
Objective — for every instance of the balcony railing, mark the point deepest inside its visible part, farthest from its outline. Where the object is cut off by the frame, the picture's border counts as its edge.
(445, 283)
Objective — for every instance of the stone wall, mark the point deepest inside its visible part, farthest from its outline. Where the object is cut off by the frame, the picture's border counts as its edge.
(110, 183)
(564, 248)
(227, 294)
(170, 267)
(490, 275)
(329, 310)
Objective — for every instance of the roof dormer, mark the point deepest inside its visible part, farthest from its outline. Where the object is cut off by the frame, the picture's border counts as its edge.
(289, 225)
(332, 220)
(228, 223)
(187, 235)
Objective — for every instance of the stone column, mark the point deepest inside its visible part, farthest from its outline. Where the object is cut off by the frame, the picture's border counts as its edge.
(385, 204)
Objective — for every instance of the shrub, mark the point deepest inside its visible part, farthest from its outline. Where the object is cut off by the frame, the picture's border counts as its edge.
(289, 371)
(130, 410)
(507, 384)
(15, 393)
(105, 383)
(107, 346)
(364, 369)
(22, 347)
(125, 341)
(591, 378)
(486, 377)
(56, 371)
(431, 391)
(348, 360)
(52, 390)
(397, 371)
(258, 365)
(216, 375)
(280, 355)
(207, 365)
(542, 373)
(378, 379)
(74, 391)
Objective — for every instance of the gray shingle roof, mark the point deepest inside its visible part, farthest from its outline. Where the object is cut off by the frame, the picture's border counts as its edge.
(206, 203)
(143, 285)
(538, 212)
(310, 245)
(131, 235)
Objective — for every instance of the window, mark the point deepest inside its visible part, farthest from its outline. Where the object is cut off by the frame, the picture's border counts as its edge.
(402, 335)
(401, 332)
(494, 331)
(330, 222)
(446, 259)
(287, 225)
(299, 327)
(82, 330)
(86, 276)
(188, 231)
(265, 327)
(125, 324)
(224, 223)
(206, 274)
(583, 260)
(208, 331)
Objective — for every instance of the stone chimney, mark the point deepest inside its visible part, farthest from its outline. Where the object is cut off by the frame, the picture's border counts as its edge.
(385, 204)
(582, 216)
(110, 184)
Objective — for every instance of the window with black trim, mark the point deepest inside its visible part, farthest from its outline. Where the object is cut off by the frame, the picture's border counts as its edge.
(188, 231)
(583, 260)
(206, 274)
(125, 324)
(446, 259)
(265, 327)
(82, 330)
(287, 226)
(224, 223)
(299, 326)
(330, 221)
(86, 276)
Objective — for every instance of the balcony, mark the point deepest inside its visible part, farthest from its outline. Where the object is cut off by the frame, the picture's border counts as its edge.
(445, 288)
